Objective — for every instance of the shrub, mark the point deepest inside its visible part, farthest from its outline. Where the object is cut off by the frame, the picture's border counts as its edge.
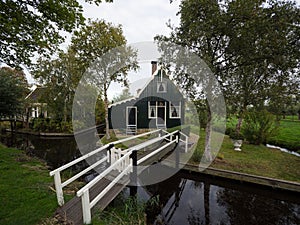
(259, 126)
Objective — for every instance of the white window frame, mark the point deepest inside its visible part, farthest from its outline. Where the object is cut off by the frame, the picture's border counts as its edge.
(178, 110)
(149, 110)
(131, 107)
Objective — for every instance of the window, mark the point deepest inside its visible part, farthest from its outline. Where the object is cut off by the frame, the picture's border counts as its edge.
(152, 110)
(161, 87)
(175, 110)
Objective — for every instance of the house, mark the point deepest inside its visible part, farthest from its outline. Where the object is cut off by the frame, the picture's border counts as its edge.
(35, 106)
(158, 105)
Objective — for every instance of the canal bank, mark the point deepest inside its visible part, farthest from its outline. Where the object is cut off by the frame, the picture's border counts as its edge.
(244, 178)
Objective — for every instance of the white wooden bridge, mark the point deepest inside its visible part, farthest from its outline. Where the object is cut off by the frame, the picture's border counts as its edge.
(121, 171)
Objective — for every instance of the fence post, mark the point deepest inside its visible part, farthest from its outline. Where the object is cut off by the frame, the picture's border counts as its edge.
(86, 210)
(109, 151)
(58, 188)
(133, 176)
(177, 149)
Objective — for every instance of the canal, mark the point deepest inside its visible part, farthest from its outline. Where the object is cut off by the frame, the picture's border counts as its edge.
(185, 198)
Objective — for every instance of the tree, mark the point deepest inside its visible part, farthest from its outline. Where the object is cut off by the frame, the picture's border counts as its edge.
(60, 77)
(123, 96)
(262, 53)
(252, 47)
(35, 26)
(102, 55)
(13, 88)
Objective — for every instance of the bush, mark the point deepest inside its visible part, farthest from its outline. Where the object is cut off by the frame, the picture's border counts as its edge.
(259, 126)
(51, 125)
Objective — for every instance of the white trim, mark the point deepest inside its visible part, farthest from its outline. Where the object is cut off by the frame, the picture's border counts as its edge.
(123, 101)
(178, 109)
(157, 117)
(131, 107)
(142, 90)
(149, 110)
(164, 85)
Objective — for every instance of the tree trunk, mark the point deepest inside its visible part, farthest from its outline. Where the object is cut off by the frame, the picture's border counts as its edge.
(106, 115)
(239, 124)
(240, 120)
(207, 151)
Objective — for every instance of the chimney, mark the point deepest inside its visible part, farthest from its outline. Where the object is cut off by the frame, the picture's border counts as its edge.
(154, 66)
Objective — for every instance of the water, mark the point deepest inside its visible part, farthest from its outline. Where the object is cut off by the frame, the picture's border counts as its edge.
(185, 199)
(198, 199)
(56, 151)
(284, 150)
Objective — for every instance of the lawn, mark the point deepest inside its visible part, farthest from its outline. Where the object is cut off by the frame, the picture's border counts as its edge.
(253, 159)
(288, 135)
(26, 197)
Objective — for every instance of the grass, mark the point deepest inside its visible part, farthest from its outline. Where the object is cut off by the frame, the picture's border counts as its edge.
(253, 159)
(128, 211)
(26, 197)
(288, 135)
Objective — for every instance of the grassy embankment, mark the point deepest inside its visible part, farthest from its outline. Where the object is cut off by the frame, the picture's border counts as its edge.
(26, 197)
(253, 159)
(288, 135)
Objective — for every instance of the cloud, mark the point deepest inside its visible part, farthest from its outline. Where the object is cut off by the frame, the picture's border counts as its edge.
(141, 19)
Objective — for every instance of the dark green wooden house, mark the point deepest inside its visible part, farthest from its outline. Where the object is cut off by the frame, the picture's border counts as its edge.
(158, 105)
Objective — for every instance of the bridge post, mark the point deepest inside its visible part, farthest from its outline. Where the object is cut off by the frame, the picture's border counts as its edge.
(109, 150)
(133, 175)
(177, 149)
(86, 209)
(58, 189)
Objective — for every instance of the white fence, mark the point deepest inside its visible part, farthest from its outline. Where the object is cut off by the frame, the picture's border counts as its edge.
(57, 172)
(119, 159)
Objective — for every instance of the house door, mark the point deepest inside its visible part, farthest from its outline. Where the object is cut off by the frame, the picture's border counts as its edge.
(161, 116)
(131, 116)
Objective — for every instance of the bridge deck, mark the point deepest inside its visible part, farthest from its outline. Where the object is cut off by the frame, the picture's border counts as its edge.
(71, 212)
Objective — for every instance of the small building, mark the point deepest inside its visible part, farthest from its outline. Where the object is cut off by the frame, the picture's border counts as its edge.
(158, 105)
(35, 107)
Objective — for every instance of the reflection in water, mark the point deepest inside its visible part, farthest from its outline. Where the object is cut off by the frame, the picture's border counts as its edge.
(186, 200)
(56, 151)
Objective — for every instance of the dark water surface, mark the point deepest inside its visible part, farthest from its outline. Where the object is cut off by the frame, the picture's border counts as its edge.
(198, 199)
(186, 198)
(56, 151)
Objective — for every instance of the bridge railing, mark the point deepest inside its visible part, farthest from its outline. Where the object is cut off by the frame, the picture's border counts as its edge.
(57, 172)
(124, 165)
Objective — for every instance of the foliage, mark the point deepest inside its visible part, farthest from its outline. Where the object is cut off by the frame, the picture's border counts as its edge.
(287, 136)
(52, 125)
(13, 89)
(60, 78)
(233, 134)
(25, 189)
(252, 47)
(259, 126)
(35, 26)
(254, 159)
(102, 54)
(123, 96)
(128, 211)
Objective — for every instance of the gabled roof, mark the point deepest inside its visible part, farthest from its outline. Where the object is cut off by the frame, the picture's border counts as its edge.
(141, 91)
(36, 94)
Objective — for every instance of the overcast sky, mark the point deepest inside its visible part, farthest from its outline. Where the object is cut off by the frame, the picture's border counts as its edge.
(141, 21)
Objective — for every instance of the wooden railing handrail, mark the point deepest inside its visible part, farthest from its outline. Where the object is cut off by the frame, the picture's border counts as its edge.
(98, 150)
